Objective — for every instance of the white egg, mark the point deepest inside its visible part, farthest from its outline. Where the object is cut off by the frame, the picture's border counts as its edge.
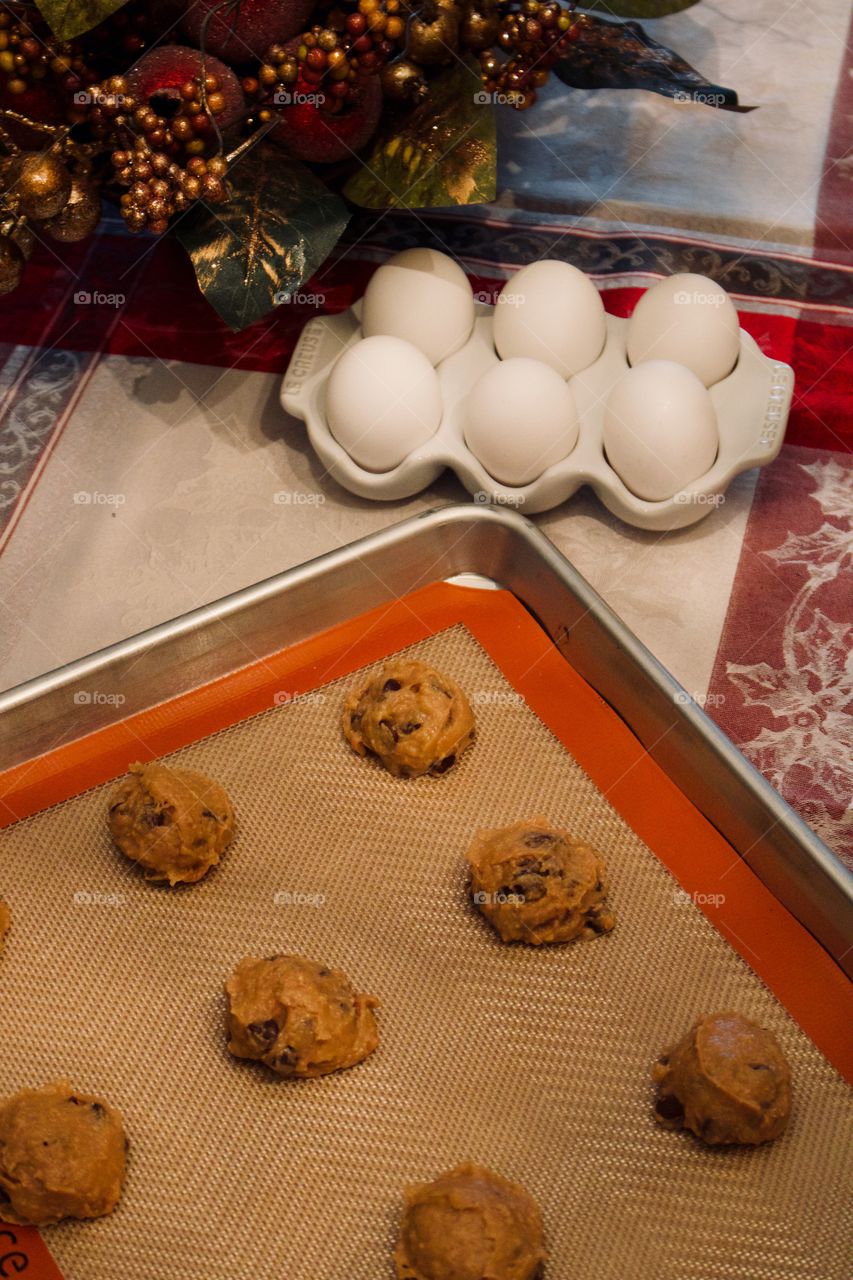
(689, 319)
(520, 417)
(660, 429)
(551, 312)
(424, 297)
(383, 400)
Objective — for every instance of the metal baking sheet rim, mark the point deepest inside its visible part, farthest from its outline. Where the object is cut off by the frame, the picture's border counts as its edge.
(486, 546)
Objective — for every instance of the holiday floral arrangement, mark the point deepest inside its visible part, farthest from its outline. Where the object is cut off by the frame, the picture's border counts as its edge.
(251, 128)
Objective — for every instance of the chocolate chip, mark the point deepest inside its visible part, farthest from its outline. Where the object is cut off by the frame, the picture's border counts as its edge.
(595, 923)
(98, 1110)
(5, 1198)
(759, 1066)
(163, 819)
(443, 765)
(535, 839)
(355, 719)
(598, 886)
(323, 973)
(391, 686)
(205, 813)
(75, 1101)
(664, 1060)
(411, 726)
(264, 1031)
(288, 1057)
(386, 724)
(116, 808)
(668, 1107)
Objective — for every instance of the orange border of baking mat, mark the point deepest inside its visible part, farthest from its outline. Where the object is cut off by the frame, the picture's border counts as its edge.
(24, 1244)
(791, 962)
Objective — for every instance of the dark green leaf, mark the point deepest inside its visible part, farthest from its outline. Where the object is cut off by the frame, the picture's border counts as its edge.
(639, 8)
(278, 226)
(442, 153)
(70, 18)
(620, 55)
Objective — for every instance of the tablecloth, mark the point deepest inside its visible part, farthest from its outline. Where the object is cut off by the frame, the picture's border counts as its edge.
(146, 466)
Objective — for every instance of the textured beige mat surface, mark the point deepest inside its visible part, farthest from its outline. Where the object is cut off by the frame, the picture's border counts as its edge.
(534, 1062)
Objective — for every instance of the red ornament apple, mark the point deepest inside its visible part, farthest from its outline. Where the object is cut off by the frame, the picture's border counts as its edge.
(242, 30)
(160, 74)
(311, 132)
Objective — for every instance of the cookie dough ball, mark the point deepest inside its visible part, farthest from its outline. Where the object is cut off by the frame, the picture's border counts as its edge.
(297, 1016)
(173, 822)
(727, 1081)
(62, 1155)
(468, 1224)
(5, 924)
(410, 716)
(537, 884)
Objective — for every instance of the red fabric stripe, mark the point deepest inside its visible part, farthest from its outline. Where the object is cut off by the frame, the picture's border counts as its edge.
(834, 228)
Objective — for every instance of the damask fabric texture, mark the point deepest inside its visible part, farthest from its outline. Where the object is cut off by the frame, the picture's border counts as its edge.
(535, 1062)
(146, 468)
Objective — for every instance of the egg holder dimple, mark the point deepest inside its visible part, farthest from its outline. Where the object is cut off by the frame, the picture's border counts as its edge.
(751, 404)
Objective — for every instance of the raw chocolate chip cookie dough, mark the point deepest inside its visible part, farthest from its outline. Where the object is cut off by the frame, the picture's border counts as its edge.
(537, 884)
(174, 823)
(298, 1017)
(412, 718)
(727, 1081)
(5, 924)
(468, 1224)
(62, 1155)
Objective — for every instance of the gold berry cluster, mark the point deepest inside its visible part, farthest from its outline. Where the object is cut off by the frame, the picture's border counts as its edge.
(48, 192)
(333, 56)
(28, 56)
(158, 187)
(533, 38)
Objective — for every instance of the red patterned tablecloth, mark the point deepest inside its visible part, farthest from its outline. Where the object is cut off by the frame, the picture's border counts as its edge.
(117, 383)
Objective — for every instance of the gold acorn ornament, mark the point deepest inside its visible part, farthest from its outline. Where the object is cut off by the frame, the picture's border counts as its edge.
(480, 26)
(21, 234)
(404, 82)
(433, 35)
(80, 215)
(11, 264)
(38, 183)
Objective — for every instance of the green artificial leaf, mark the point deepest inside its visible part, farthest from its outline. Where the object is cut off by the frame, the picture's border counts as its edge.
(279, 224)
(639, 8)
(620, 55)
(443, 153)
(70, 18)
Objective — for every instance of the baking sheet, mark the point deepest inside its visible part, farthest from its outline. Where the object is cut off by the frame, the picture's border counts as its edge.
(534, 1062)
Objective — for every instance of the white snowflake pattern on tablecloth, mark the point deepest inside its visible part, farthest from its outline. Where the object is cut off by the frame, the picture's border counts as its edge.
(809, 758)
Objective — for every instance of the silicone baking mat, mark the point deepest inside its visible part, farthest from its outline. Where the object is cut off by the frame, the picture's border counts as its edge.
(533, 1061)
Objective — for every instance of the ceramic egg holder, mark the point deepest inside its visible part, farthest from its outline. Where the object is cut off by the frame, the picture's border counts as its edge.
(751, 405)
